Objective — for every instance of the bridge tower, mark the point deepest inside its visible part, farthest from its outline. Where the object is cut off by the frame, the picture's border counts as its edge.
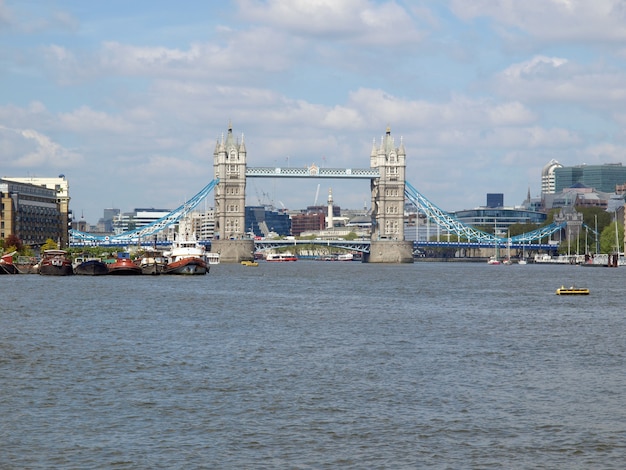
(229, 165)
(388, 244)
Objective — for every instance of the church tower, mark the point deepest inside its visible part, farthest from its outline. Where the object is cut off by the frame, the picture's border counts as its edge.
(388, 190)
(229, 164)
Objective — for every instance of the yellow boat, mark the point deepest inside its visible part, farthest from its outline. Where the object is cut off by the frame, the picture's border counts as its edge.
(249, 263)
(572, 291)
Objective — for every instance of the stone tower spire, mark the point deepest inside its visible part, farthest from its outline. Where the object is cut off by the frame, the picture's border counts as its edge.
(229, 165)
(388, 190)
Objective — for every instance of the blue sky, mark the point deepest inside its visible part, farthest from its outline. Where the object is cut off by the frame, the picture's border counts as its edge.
(128, 99)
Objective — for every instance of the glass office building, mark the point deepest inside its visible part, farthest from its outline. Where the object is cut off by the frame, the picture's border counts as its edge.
(603, 178)
(261, 221)
(499, 218)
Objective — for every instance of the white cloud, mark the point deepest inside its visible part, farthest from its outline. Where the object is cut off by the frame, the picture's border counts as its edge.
(552, 20)
(538, 66)
(30, 149)
(358, 21)
(85, 120)
(6, 15)
(553, 79)
(605, 152)
(315, 81)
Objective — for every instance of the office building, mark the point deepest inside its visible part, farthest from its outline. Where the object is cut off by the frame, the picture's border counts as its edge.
(548, 183)
(499, 219)
(137, 219)
(61, 189)
(260, 222)
(495, 200)
(32, 213)
(603, 178)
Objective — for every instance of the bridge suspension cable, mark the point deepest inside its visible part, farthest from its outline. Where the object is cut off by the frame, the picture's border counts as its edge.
(455, 226)
(445, 220)
(133, 236)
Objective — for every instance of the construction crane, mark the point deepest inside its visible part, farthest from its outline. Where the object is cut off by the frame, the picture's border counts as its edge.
(317, 195)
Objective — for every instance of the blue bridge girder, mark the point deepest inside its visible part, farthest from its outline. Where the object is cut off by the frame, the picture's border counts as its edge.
(362, 246)
(135, 236)
(443, 219)
(504, 244)
(467, 232)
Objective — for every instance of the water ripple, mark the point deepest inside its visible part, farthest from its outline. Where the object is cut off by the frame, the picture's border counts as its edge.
(315, 365)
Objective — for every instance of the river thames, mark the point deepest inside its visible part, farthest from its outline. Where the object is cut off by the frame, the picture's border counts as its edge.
(311, 365)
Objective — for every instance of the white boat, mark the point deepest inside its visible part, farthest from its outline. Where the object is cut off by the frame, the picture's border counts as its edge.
(212, 258)
(523, 258)
(188, 256)
(508, 261)
(281, 257)
(493, 260)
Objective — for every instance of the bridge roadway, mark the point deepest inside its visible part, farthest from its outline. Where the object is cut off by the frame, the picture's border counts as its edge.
(363, 246)
(502, 244)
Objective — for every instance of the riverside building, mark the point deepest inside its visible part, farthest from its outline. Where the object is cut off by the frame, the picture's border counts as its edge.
(33, 212)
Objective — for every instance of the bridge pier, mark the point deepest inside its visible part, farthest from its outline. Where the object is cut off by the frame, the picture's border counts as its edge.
(390, 251)
(233, 251)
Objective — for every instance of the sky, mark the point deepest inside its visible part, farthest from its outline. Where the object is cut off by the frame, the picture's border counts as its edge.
(128, 99)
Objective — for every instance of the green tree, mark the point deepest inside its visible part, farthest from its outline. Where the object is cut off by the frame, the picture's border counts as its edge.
(518, 229)
(608, 242)
(591, 214)
(50, 245)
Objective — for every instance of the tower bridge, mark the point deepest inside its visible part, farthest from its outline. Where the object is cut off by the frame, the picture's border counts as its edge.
(386, 174)
(388, 186)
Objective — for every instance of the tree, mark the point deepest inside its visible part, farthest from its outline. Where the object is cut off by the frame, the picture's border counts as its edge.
(49, 245)
(591, 214)
(608, 243)
(518, 229)
(13, 243)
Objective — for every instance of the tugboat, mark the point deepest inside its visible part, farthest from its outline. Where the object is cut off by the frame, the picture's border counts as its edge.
(55, 263)
(187, 256)
(153, 262)
(87, 266)
(124, 266)
(6, 264)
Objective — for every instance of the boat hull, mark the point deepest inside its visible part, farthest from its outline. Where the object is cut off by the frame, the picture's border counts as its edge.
(54, 270)
(91, 268)
(124, 267)
(153, 269)
(55, 263)
(188, 266)
(124, 271)
(6, 268)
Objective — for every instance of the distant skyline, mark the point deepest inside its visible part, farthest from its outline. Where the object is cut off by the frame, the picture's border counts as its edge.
(128, 99)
